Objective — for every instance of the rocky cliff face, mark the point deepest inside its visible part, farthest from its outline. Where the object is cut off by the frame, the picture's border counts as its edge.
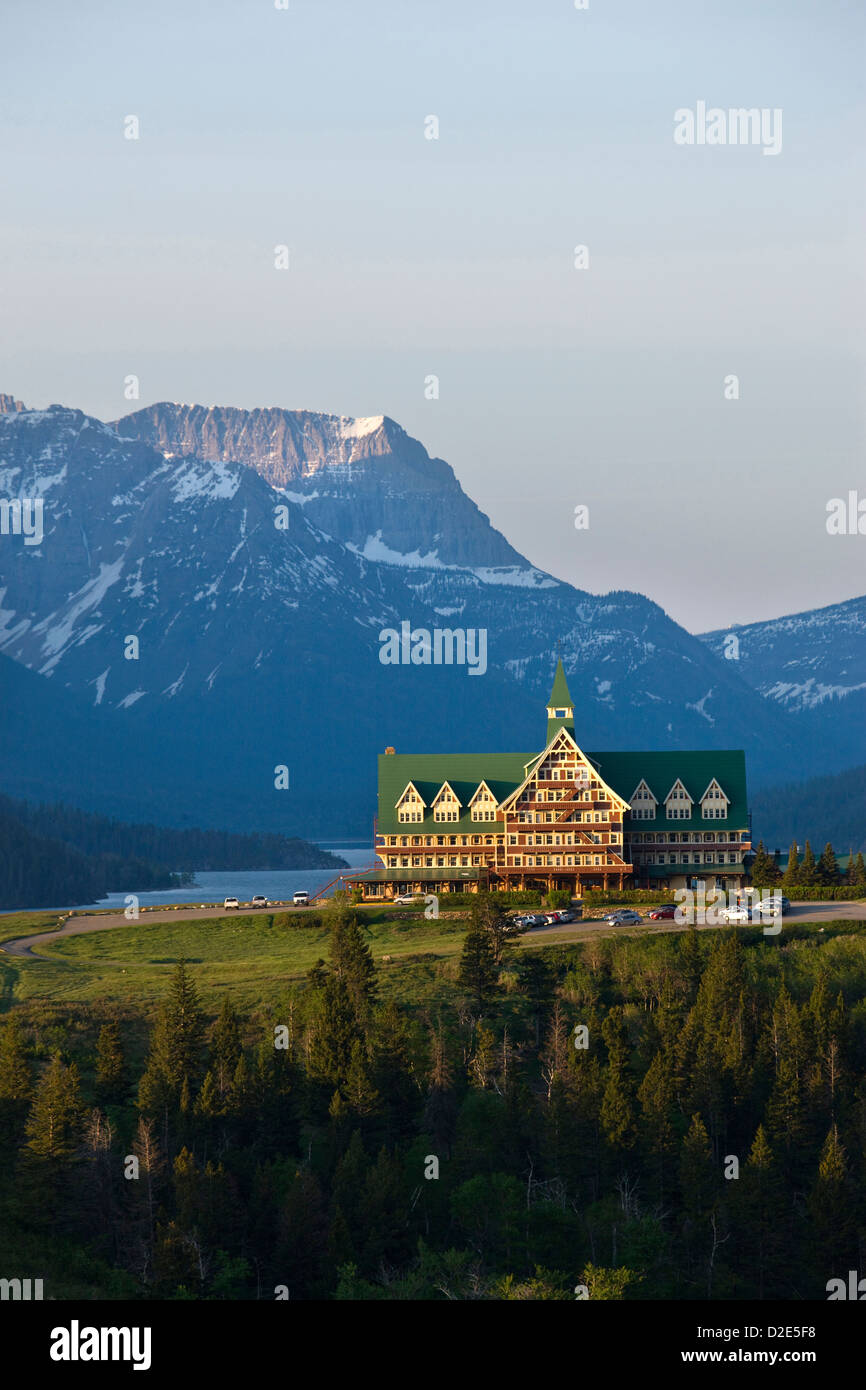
(256, 581)
(363, 481)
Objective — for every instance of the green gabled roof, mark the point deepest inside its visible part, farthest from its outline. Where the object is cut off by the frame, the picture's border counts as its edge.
(695, 769)
(464, 771)
(503, 772)
(560, 695)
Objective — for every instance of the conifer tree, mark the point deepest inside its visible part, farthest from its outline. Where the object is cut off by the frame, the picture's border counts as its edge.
(765, 871)
(860, 870)
(334, 1031)
(618, 1117)
(828, 867)
(478, 974)
(832, 1212)
(352, 962)
(15, 1080)
(55, 1118)
(110, 1064)
(225, 1046)
(808, 868)
(792, 877)
(175, 1049)
(760, 1222)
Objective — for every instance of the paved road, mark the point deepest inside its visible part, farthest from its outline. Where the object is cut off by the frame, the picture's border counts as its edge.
(21, 946)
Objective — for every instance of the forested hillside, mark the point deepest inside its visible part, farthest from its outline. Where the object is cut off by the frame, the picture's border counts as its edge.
(39, 870)
(175, 849)
(825, 808)
(411, 1132)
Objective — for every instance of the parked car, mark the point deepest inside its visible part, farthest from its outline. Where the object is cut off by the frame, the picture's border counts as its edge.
(626, 917)
(534, 919)
(231, 902)
(259, 901)
(767, 907)
(567, 915)
(410, 899)
(736, 914)
(666, 913)
(301, 898)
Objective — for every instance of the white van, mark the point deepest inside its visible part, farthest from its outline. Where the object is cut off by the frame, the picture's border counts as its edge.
(301, 898)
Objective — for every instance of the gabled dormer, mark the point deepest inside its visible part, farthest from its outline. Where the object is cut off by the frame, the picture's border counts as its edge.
(483, 804)
(446, 803)
(679, 802)
(643, 803)
(714, 802)
(410, 805)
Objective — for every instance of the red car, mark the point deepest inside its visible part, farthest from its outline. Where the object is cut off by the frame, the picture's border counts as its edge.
(665, 913)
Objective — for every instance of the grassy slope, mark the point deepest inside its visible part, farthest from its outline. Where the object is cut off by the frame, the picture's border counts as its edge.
(247, 954)
(252, 957)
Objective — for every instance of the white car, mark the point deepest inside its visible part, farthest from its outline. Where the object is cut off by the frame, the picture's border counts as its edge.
(231, 902)
(735, 914)
(410, 899)
(301, 898)
(259, 901)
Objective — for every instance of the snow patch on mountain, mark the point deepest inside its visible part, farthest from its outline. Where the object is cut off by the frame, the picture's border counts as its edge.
(206, 482)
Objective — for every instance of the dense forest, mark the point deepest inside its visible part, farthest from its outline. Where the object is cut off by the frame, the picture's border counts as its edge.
(40, 871)
(833, 807)
(673, 1116)
(54, 856)
(182, 850)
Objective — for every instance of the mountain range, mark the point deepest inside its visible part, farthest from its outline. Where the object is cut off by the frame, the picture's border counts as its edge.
(256, 556)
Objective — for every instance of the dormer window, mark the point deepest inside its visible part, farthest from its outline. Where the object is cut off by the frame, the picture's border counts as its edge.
(446, 804)
(411, 806)
(714, 802)
(643, 804)
(483, 804)
(678, 802)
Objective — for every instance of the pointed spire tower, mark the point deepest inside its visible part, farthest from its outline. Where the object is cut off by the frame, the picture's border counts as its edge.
(560, 706)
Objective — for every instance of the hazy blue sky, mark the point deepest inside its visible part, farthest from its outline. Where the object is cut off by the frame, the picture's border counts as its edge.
(455, 256)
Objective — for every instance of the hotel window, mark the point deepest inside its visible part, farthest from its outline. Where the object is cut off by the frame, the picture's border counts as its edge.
(597, 859)
(518, 860)
(512, 839)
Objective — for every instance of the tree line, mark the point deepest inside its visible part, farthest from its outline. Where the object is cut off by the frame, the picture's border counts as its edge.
(805, 871)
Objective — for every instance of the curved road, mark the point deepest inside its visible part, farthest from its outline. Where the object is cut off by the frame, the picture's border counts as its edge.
(75, 926)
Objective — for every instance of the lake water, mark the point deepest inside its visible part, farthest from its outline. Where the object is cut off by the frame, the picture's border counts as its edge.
(209, 887)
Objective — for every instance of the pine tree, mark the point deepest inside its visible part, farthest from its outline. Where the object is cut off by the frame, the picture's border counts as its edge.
(808, 868)
(487, 915)
(828, 868)
(657, 1102)
(174, 1063)
(441, 1107)
(860, 871)
(334, 1031)
(792, 876)
(55, 1118)
(765, 871)
(352, 962)
(478, 974)
(691, 961)
(760, 1221)
(15, 1081)
(110, 1063)
(617, 1108)
(832, 1212)
(225, 1046)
